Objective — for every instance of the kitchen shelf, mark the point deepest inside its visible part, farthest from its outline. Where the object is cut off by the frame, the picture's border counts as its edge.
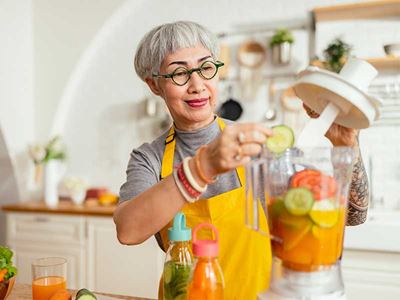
(381, 63)
(364, 10)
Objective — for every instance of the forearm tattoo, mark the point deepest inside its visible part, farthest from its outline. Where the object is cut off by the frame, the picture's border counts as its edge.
(358, 194)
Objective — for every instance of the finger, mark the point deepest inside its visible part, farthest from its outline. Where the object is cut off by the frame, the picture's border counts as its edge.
(250, 149)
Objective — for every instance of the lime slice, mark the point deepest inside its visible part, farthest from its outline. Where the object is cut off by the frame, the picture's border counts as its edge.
(277, 207)
(298, 201)
(324, 214)
(282, 139)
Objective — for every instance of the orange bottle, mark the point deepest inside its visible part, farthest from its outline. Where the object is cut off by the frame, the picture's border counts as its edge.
(207, 281)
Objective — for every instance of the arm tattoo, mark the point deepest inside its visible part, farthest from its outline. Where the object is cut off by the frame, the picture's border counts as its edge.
(358, 194)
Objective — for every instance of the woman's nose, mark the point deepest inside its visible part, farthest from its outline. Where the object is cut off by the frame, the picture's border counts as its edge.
(196, 83)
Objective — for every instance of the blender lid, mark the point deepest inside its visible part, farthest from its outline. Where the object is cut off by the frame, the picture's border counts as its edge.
(317, 87)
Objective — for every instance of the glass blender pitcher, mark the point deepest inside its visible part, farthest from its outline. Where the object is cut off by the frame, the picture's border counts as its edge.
(303, 193)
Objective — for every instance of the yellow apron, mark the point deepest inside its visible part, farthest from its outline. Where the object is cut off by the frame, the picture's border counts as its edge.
(244, 255)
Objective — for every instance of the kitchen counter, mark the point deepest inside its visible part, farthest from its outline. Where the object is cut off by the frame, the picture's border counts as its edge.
(24, 292)
(66, 207)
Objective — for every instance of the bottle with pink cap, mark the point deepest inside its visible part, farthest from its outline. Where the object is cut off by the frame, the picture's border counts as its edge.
(207, 281)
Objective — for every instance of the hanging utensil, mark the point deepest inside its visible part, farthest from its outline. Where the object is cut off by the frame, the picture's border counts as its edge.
(230, 109)
(270, 114)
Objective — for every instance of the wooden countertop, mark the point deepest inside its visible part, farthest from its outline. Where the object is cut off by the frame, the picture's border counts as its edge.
(24, 292)
(66, 207)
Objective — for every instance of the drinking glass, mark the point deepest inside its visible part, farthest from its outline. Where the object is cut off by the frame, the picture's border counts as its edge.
(48, 276)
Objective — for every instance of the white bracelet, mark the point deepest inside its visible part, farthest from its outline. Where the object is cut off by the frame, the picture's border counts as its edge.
(190, 177)
(181, 188)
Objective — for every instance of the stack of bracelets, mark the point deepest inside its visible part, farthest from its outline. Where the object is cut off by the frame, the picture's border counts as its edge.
(186, 183)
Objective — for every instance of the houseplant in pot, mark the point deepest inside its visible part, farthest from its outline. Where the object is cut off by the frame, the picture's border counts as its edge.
(336, 54)
(281, 45)
(8, 272)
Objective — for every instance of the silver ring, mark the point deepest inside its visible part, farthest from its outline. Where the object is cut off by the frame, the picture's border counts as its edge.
(241, 137)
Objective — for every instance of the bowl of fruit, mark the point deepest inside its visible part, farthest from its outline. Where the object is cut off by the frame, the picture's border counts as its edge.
(8, 272)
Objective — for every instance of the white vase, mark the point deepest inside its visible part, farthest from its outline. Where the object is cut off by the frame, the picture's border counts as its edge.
(53, 171)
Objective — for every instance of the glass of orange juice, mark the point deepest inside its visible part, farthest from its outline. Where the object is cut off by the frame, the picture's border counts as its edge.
(48, 276)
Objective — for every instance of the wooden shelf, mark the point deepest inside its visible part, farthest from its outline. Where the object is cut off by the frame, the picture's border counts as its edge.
(388, 62)
(364, 10)
(381, 63)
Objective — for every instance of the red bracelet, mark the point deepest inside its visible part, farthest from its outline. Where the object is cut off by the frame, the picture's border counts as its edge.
(182, 177)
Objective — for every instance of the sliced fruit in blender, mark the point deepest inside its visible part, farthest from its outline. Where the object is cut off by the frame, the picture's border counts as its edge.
(322, 186)
(324, 214)
(298, 201)
(282, 139)
(277, 207)
(292, 222)
(292, 238)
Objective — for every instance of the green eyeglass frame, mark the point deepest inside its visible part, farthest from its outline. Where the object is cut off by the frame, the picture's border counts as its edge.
(181, 75)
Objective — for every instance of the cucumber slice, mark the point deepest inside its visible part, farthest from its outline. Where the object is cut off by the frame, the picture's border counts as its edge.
(324, 214)
(299, 201)
(168, 272)
(282, 139)
(85, 294)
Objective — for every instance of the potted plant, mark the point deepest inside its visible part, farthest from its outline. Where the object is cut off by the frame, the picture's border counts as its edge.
(281, 45)
(7, 272)
(336, 55)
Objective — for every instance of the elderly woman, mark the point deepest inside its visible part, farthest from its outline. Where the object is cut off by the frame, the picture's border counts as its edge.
(196, 166)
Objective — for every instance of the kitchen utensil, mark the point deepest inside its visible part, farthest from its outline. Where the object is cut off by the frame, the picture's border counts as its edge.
(339, 98)
(251, 54)
(231, 109)
(270, 114)
(304, 196)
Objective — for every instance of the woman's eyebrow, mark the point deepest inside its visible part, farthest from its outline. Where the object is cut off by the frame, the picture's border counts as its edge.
(181, 62)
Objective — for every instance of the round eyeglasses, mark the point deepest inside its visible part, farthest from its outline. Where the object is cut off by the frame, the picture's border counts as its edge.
(181, 75)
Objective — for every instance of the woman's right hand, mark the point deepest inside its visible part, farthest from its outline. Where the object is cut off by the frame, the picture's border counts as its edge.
(233, 147)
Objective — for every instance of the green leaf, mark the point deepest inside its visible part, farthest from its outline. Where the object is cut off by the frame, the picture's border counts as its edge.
(6, 254)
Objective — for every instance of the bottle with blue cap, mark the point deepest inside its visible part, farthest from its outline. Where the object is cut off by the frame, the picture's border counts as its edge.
(179, 260)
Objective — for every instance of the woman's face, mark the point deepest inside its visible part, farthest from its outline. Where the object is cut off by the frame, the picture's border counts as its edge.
(191, 105)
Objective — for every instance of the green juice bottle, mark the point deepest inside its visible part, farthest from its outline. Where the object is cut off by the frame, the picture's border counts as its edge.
(179, 260)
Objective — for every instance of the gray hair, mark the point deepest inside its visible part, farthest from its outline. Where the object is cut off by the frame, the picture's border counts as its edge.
(169, 38)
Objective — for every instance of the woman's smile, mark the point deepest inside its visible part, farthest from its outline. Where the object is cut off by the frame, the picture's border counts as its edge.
(197, 103)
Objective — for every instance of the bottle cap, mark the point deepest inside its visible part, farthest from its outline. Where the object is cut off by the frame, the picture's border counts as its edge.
(205, 248)
(179, 231)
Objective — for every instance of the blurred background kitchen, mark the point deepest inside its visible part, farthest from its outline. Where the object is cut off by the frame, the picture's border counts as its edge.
(66, 69)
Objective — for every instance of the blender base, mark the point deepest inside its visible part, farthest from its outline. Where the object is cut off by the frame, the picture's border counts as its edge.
(324, 284)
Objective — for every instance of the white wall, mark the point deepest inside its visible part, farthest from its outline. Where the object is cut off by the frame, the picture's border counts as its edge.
(16, 81)
(62, 30)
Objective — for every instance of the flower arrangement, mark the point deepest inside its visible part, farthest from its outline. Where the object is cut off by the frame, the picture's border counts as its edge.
(41, 154)
(54, 149)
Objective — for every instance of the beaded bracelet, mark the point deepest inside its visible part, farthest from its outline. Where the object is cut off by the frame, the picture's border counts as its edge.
(190, 177)
(199, 169)
(186, 184)
(181, 188)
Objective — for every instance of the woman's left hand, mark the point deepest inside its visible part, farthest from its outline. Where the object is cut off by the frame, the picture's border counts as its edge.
(337, 134)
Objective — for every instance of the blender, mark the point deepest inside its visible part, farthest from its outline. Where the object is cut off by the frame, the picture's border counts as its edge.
(303, 191)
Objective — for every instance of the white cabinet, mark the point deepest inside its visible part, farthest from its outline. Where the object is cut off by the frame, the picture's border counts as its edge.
(95, 258)
(371, 275)
(124, 270)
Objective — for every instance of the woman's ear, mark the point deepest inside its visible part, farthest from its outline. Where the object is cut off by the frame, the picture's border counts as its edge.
(153, 86)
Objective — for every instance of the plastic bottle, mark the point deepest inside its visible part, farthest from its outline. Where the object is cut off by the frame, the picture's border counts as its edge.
(207, 281)
(179, 260)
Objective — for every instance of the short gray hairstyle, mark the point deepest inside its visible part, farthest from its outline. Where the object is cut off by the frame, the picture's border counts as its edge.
(169, 38)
